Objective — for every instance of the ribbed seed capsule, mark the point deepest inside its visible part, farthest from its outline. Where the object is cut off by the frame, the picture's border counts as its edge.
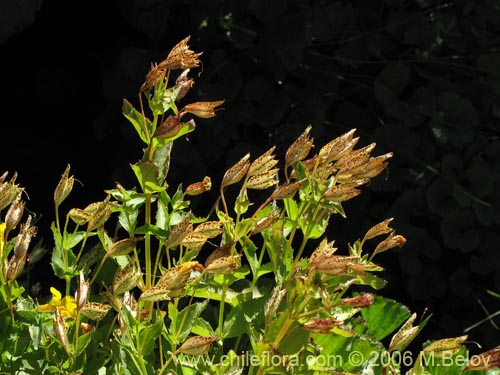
(169, 128)
(342, 192)
(263, 163)
(361, 301)
(99, 213)
(126, 279)
(60, 330)
(79, 216)
(180, 231)
(321, 325)
(197, 345)
(122, 247)
(325, 249)
(199, 187)
(236, 172)
(223, 265)
(404, 335)
(354, 158)
(23, 239)
(95, 310)
(332, 149)
(379, 229)
(209, 229)
(15, 266)
(390, 242)
(263, 180)
(181, 57)
(300, 148)
(287, 190)
(194, 241)
(266, 222)
(8, 192)
(202, 109)
(82, 292)
(64, 187)
(177, 276)
(14, 214)
(333, 265)
(156, 293)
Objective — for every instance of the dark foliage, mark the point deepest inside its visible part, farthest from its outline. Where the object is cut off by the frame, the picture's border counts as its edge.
(420, 78)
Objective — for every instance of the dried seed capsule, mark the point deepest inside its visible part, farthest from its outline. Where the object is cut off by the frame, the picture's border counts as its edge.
(390, 242)
(236, 172)
(321, 325)
(202, 109)
(263, 163)
(64, 187)
(126, 279)
(181, 57)
(14, 214)
(300, 148)
(263, 180)
(379, 229)
(199, 187)
(156, 293)
(169, 128)
(197, 345)
(95, 310)
(122, 247)
(180, 231)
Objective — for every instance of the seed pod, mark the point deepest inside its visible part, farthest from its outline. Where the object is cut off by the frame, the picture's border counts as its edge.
(197, 345)
(263, 163)
(199, 187)
(95, 311)
(181, 57)
(15, 266)
(266, 222)
(82, 292)
(264, 180)
(154, 76)
(333, 265)
(361, 301)
(169, 128)
(453, 344)
(354, 159)
(23, 239)
(341, 193)
(202, 109)
(126, 279)
(177, 276)
(404, 335)
(300, 148)
(485, 361)
(194, 241)
(287, 190)
(180, 231)
(236, 172)
(79, 216)
(223, 265)
(379, 229)
(183, 84)
(14, 214)
(223, 251)
(209, 229)
(8, 192)
(390, 242)
(321, 325)
(64, 187)
(122, 247)
(333, 149)
(155, 293)
(99, 213)
(324, 250)
(60, 330)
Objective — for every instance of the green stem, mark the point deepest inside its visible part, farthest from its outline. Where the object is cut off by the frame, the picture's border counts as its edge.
(221, 308)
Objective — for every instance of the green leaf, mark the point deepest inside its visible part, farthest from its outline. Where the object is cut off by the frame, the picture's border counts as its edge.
(136, 119)
(147, 175)
(183, 323)
(384, 316)
(82, 342)
(147, 337)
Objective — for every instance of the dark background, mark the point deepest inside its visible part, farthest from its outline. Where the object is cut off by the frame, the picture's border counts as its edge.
(420, 78)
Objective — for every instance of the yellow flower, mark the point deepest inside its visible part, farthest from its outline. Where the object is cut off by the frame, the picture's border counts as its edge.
(66, 305)
(2, 232)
